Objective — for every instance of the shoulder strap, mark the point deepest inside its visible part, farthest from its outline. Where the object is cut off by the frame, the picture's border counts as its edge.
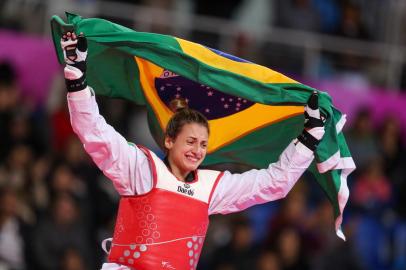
(152, 159)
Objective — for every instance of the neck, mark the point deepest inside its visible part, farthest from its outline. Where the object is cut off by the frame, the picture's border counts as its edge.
(175, 170)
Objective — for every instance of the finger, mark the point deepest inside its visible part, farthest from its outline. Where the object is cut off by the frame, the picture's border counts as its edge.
(74, 36)
(65, 36)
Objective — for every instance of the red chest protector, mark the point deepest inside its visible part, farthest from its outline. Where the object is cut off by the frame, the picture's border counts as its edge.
(166, 227)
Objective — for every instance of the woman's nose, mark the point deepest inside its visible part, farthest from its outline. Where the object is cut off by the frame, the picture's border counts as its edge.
(197, 149)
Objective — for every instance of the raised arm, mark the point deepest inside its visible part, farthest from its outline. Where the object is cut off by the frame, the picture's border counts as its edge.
(236, 192)
(125, 164)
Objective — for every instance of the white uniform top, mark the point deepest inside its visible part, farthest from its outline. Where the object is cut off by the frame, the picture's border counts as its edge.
(128, 168)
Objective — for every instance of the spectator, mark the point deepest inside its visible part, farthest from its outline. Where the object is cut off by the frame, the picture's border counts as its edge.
(222, 9)
(49, 246)
(352, 25)
(37, 187)
(13, 232)
(72, 260)
(268, 260)
(392, 150)
(63, 180)
(372, 190)
(320, 232)
(289, 245)
(361, 139)
(341, 255)
(9, 96)
(239, 254)
(329, 14)
(297, 14)
(60, 128)
(14, 170)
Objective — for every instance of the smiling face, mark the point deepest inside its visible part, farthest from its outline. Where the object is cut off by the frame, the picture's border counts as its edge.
(188, 149)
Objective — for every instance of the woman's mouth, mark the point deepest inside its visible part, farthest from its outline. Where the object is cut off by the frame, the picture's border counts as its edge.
(192, 158)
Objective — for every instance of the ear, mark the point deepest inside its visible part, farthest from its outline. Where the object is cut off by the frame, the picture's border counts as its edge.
(168, 143)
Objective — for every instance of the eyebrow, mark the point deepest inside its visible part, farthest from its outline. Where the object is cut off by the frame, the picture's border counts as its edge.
(194, 138)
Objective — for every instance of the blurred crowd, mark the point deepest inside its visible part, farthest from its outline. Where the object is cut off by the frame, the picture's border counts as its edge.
(254, 31)
(56, 207)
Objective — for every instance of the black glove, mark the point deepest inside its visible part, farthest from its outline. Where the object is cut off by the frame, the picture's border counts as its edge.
(313, 130)
(75, 53)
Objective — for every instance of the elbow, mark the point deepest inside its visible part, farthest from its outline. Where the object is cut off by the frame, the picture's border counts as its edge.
(280, 189)
(278, 186)
(284, 180)
(280, 192)
(285, 193)
(288, 186)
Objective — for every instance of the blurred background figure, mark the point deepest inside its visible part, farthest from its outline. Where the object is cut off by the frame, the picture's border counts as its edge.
(8, 102)
(50, 249)
(268, 260)
(352, 49)
(72, 260)
(14, 231)
(289, 246)
(362, 139)
(239, 253)
(372, 190)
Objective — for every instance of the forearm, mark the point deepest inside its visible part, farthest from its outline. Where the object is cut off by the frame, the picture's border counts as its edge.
(236, 192)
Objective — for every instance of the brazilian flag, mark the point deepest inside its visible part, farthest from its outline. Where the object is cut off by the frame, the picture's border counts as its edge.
(253, 111)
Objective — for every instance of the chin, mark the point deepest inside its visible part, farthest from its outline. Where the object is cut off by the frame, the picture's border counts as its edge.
(192, 166)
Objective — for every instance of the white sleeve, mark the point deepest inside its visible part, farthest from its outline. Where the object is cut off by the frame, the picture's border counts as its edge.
(125, 164)
(236, 192)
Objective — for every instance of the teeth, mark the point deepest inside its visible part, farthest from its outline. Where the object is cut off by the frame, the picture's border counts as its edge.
(192, 158)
